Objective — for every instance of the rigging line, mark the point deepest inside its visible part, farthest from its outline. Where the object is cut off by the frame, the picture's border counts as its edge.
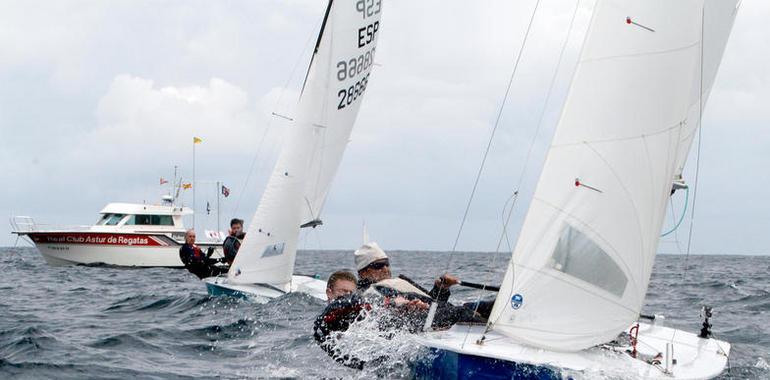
(698, 151)
(515, 198)
(270, 124)
(491, 323)
(494, 130)
(684, 212)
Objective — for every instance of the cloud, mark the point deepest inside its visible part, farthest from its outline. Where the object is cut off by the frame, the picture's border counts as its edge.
(77, 132)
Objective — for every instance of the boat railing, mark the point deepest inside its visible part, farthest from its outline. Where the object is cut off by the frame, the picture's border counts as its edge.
(22, 224)
(25, 224)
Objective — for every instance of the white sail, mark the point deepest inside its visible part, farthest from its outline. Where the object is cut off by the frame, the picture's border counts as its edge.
(582, 264)
(332, 94)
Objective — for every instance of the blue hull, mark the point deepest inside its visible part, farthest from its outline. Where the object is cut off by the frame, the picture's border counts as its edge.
(216, 290)
(443, 364)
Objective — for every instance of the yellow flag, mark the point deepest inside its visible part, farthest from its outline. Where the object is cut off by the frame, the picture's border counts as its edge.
(197, 140)
(187, 186)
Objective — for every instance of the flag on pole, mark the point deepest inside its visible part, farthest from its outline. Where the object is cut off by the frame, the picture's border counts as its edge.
(197, 140)
(208, 208)
(187, 186)
(225, 191)
(163, 181)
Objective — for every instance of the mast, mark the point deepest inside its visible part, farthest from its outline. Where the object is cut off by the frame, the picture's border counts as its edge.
(219, 191)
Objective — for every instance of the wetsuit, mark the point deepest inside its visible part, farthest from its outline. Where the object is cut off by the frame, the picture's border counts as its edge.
(199, 263)
(342, 312)
(231, 246)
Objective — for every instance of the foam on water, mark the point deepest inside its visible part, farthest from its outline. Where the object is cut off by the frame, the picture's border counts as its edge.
(102, 322)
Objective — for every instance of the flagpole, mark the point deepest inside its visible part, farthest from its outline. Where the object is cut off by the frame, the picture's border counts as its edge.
(195, 211)
(219, 191)
(173, 184)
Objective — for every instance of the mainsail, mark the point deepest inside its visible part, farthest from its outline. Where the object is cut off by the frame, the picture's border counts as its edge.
(582, 264)
(331, 96)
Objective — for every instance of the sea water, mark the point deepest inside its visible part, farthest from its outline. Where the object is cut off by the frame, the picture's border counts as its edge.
(83, 322)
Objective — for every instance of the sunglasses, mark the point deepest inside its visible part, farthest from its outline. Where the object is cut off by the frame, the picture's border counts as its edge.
(378, 265)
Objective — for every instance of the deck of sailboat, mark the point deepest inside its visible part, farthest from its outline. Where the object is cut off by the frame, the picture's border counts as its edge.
(262, 293)
(456, 353)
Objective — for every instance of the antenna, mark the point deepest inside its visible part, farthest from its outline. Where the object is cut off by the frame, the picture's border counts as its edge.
(364, 233)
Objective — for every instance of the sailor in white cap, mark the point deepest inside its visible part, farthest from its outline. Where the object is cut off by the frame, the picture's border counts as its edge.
(373, 267)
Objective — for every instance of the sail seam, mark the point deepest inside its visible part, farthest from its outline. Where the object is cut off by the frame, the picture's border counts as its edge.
(635, 137)
(635, 55)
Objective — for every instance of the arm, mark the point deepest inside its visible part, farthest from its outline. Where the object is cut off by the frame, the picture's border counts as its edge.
(440, 291)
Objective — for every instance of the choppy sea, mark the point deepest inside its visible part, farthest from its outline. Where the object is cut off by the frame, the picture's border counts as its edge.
(109, 323)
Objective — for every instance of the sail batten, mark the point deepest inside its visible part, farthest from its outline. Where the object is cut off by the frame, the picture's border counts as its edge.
(581, 267)
(332, 94)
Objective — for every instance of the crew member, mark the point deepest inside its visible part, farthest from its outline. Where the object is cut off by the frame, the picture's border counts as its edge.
(233, 241)
(405, 304)
(341, 283)
(345, 307)
(193, 258)
(373, 267)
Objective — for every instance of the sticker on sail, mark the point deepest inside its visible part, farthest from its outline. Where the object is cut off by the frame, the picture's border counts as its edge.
(516, 301)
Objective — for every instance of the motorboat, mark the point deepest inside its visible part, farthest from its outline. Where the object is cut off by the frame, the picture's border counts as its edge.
(125, 234)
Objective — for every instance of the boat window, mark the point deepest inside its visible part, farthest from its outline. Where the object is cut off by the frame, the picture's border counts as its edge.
(150, 220)
(113, 219)
(103, 219)
(577, 255)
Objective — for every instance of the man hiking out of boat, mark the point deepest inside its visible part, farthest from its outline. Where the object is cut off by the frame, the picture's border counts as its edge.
(403, 305)
(233, 241)
(340, 284)
(198, 263)
(345, 307)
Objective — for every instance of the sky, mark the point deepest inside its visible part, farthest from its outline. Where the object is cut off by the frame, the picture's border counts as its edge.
(99, 100)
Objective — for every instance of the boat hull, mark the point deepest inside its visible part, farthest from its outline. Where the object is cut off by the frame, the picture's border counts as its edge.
(445, 364)
(457, 355)
(262, 293)
(118, 249)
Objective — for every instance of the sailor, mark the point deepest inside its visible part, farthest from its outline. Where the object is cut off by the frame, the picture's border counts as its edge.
(373, 267)
(345, 306)
(193, 258)
(405, 305)
(341, 283)
(233, 241)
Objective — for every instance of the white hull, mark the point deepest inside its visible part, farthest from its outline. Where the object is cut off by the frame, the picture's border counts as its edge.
(263, 293)
(59, 255)
(157, 250)
(696, 358)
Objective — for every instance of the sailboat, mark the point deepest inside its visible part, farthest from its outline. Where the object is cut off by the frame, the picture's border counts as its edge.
(336, 80)
(573, 292)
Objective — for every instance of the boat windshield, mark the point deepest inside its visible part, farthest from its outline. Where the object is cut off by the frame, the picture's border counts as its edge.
(110, 219)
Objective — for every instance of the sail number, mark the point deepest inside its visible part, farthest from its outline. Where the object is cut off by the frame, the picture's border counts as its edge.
(368, 8)
(349, 95)
(355, 66)
(367, 34)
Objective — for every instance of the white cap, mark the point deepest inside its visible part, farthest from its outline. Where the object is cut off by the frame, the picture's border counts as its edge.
(367, 254)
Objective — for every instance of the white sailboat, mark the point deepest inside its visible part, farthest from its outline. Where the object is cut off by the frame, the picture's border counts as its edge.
(582, 263)
(337, 78)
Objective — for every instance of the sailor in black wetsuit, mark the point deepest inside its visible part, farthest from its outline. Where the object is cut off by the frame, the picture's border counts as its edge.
(193, 258)
(233, 241)
(405, 305)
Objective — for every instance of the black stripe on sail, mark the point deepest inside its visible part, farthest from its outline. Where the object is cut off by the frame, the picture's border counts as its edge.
(317, 44)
